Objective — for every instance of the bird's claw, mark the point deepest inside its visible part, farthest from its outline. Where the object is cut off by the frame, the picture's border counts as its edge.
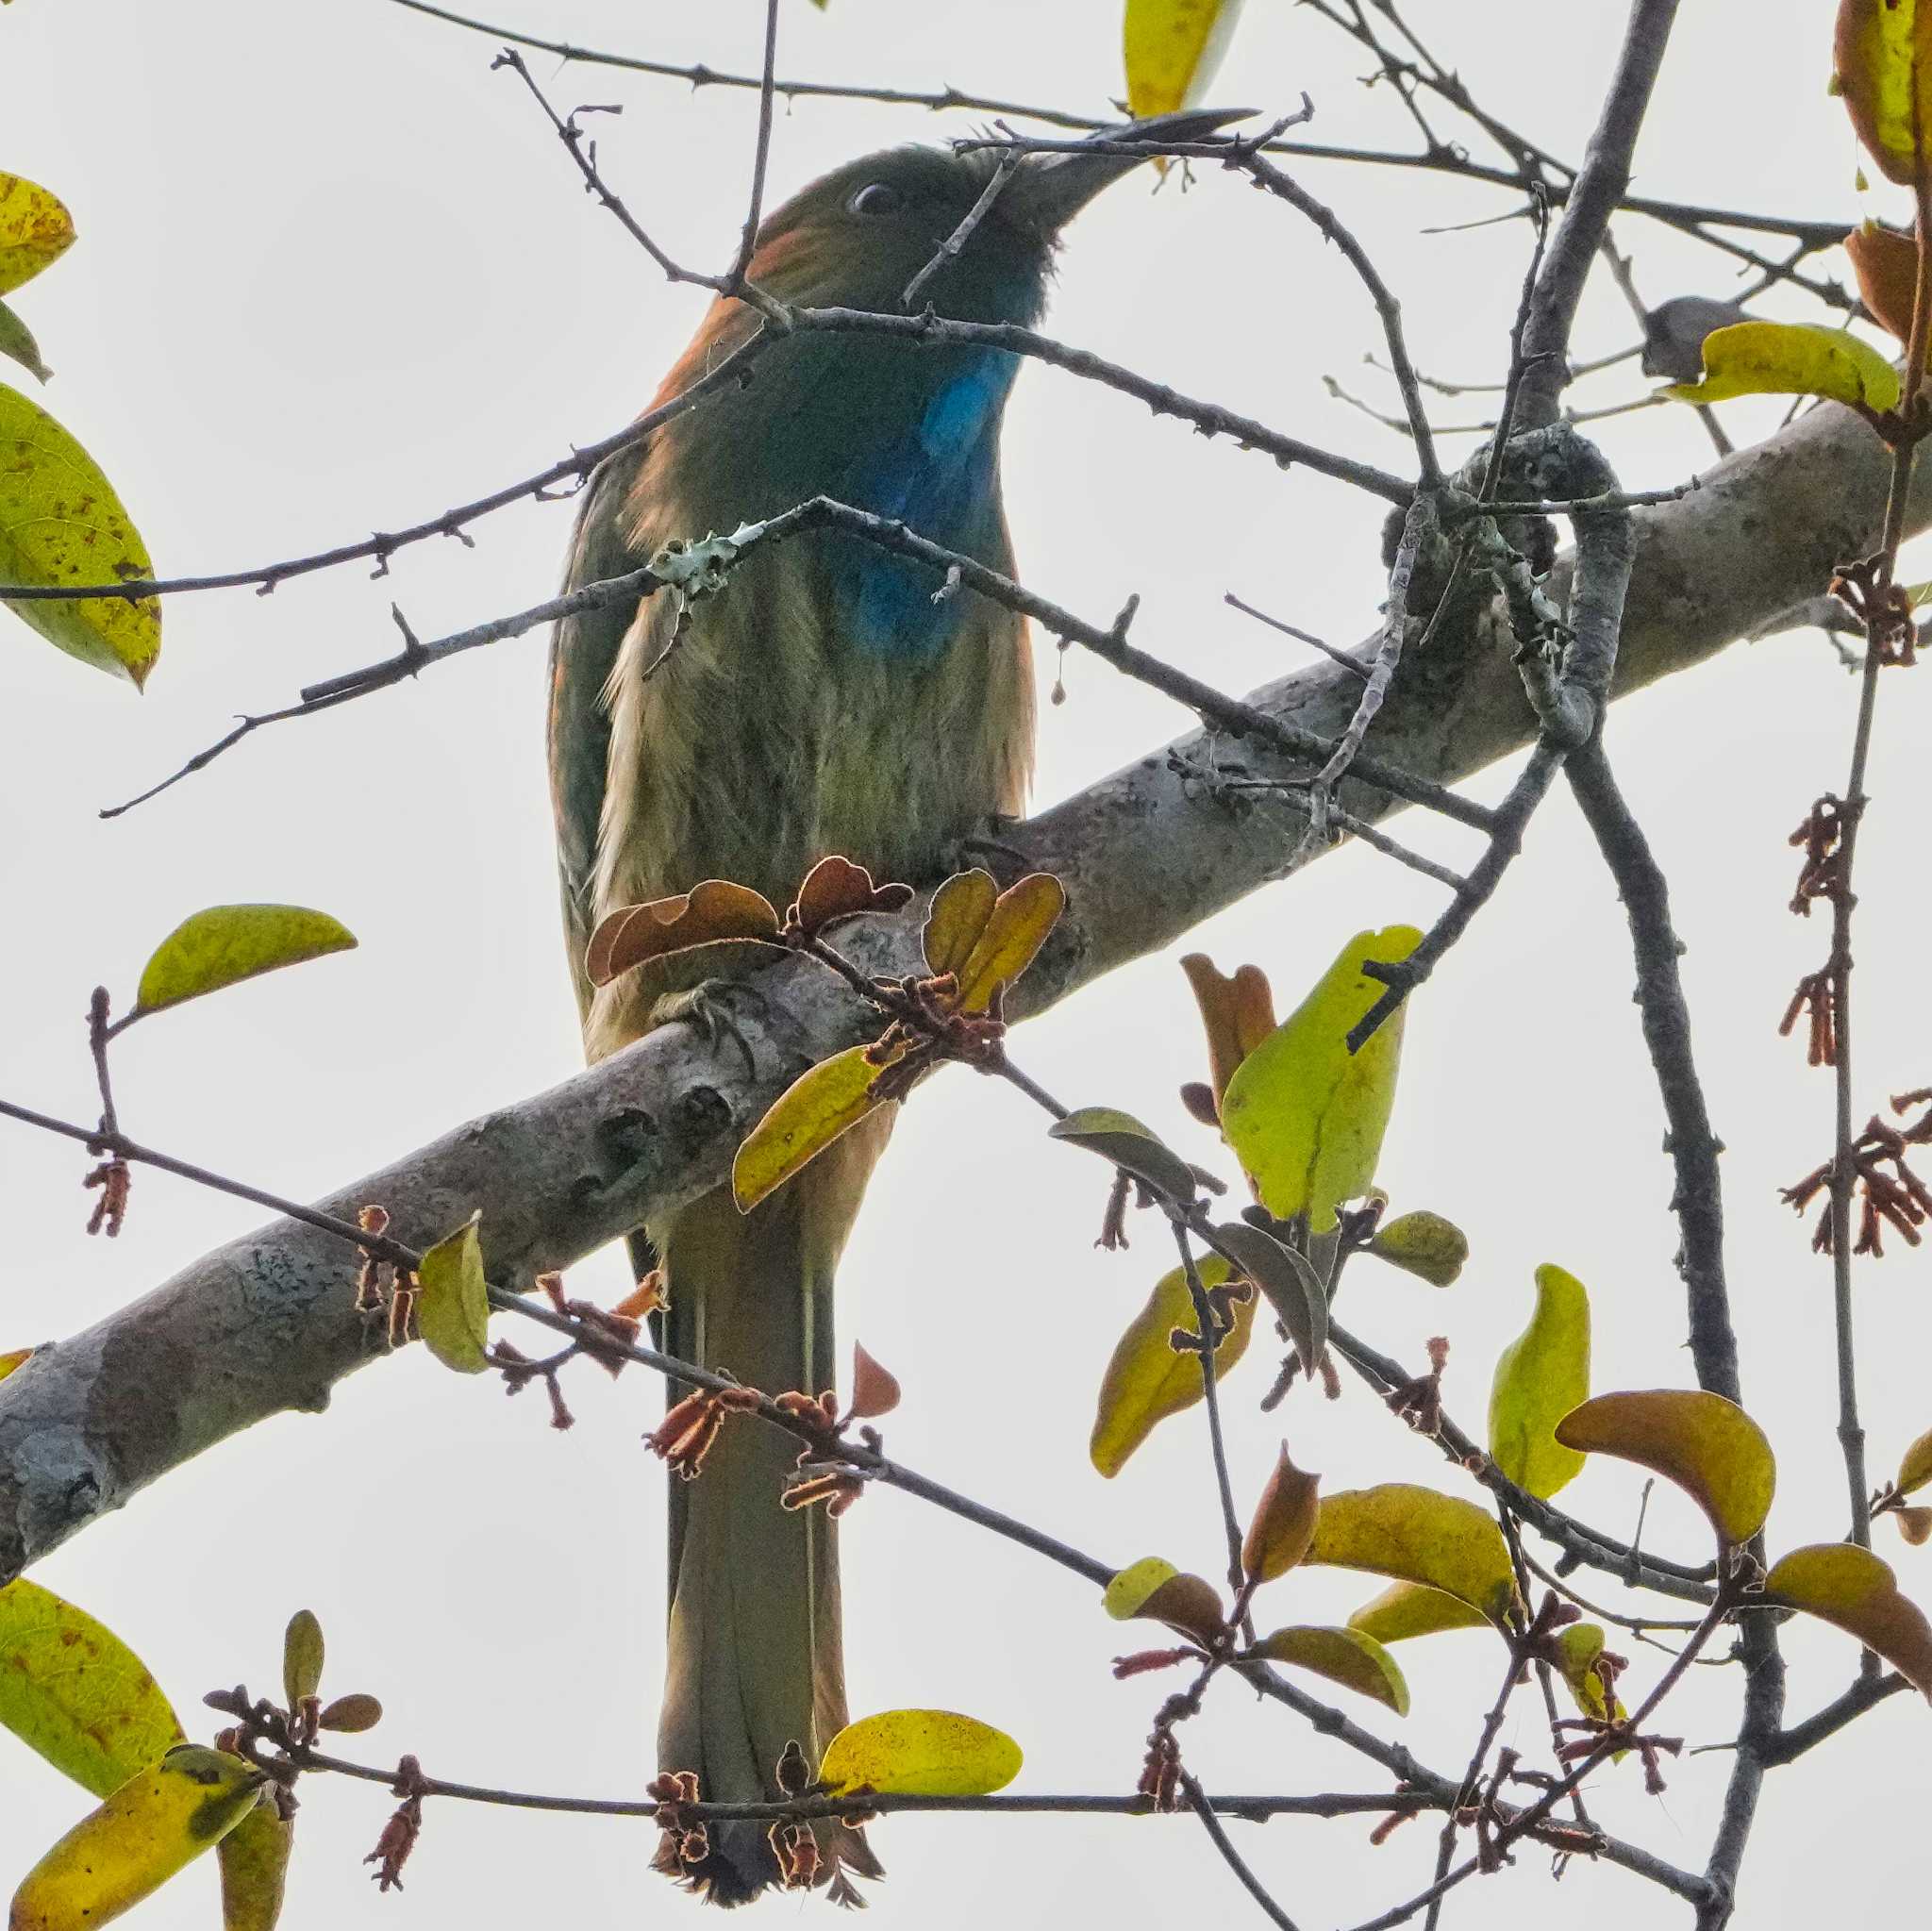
(708, 1006)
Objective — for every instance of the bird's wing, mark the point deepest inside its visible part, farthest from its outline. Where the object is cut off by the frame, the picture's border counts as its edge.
(582, 651)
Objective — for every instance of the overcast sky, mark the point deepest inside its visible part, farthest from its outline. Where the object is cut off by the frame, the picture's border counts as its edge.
(334, 275)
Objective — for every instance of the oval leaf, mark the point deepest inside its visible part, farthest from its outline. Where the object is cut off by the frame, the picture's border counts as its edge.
(1288, 1283)
(1886, 265)
(711, 912)
(355, 1712)
(1412, 1609)
(1304, 1115)
(302, 1651)
(453, 1301)
(803, 1122)
(1914, 1524)
(225, 944)
(1130, 1588)
(1147, 1380)
(72, 1689)
(62, 526)
(1423, 1244)
(1915, 1465)
(161, 1819)
(17, 344)
(1155, 1589)
(1172, 50)
(1882, 53)
(1238, 1013)
(1791, 358)
(1132, 1147)
(960, 908)
(35, 229)
(921, 1753)
(255, 1869)
(1856, 1589)
(1706, 1444)
(1284, 1522)
(1347, 1656)
(1540, 1376)
(1015, 929)
(1420, 1536)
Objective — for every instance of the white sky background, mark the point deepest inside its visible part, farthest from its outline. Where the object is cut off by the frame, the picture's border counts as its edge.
(334, 275)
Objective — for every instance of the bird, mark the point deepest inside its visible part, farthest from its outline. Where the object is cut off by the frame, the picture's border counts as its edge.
(829, 699)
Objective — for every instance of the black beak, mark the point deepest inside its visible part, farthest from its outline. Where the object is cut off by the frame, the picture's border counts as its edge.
(1049, 190)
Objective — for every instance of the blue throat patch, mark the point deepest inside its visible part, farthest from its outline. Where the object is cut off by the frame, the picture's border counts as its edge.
(939, 480)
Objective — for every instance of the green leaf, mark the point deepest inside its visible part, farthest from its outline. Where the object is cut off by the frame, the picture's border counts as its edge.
(1791, 358)
(1406, 1610)
(35, 229)
(1304, 1115)
(1172, 50)
(225, 944)
(1845, 1584)
(17, 344)
(813, 1112)
(301, 1653)
(354, 1712)
(453, 1302)
(72, 1689)
(1541, 1376)
(1578, 1646)
(1421, 1244)
(1289, 1285)
(923, 1753)
(1132, 1147)
(255, 1869)
(62, 524)
(1706, 1444)
(1347, 1657)
(1147, 1380)
(1421, 1536)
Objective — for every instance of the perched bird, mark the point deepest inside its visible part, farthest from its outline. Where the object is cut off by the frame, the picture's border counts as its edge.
(825, 701)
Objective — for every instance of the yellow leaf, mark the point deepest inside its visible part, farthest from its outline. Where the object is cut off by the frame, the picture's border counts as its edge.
(1883, 56)
(1856, 1589)
(1147, 1380)
(1155, 1589)
(1412, 1609)
(1136, 1149)
(1706, 1444)
(1423, 1244)
(959, 910)
(17, 344)
(1541, 1376)
(62, 524)
(1915, 1465)
(1288, 1283)
(1238, 1012)
(72, 1689)
(453, 1302)
(255, 1869)
(1304, 1115)
(922, 1752)
(803, 1122)
(225, 944)
(35, 229)
(1420, 1536)
(1015, 929)
(1579, 1644)
(12, 1358)
(1284, 1522)
(712, 911)
(1173, 49)
(1123, 1596)
(302, 1651)
(1791, 358)
(1347, 1656)
(159, 1820)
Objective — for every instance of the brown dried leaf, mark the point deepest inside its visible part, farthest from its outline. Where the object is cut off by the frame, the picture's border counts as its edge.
(710, 912)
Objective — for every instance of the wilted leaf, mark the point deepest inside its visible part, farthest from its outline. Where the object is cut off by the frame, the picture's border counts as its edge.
(1238, 1012)
(1791, 358)
(803, 1122)
(1288, 1283)
(874, 1390)
(62, 526)
(1540, 1376)
(159, 1820)
(1412, 1609)
(709, 913)
(35, 229)
(72, 1689)
(1304, 1115)
(1421, 1536)
(959, 910)
(1173, 49)
(355, 1712)
(17, 344)
(1122, 1139)
(922, 1752)
(1706, 1444)
(1856, 1589)
(1883, 55)
(1886, 265)
(453, 1306)
(1132, 1585)
(1914, 1524)
(1155, 1589)
(1008, 942)
(1284, 1522)
(1579, 1644)
(1423, 1244)
(1347, 1656)
(12, 1358)
(1147, 1380)
(255, 1869)
(302, 1651)
(835, 888)
(1673, 334)
(225, 944)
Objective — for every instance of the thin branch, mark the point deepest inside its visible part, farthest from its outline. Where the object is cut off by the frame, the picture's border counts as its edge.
(1203, 1808)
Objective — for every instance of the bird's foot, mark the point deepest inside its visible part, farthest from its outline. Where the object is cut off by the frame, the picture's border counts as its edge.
(708, 1005)
(987, 847)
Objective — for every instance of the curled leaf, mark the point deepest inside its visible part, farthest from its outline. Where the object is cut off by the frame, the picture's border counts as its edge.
(1882, 58)
(225, 944)
(1419, 1535)
(1706, 1444)
(709, 913)
(1412, 1609)
(35, 229)
(1172, 50)
(1155, 1589)
(834, 1097)
(1423, 1244)
(1305, 1116)
(1132, 1147)
(1791, 358)
(1886, 265)
(1848, 1586)
(1131, 1586)
(923, 1753)
(1540, 1376)
(453, 1301)
(874, 1390)
(1347, 1656)
(1915, 1465)
(1146, 1379)
(302, 1651)
(1289, 1285)
(1284, 1522)
(1578, 1646)
(1238, 1012)
(835, 888)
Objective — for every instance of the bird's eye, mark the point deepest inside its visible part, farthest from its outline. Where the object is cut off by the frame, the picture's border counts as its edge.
(876, 198)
